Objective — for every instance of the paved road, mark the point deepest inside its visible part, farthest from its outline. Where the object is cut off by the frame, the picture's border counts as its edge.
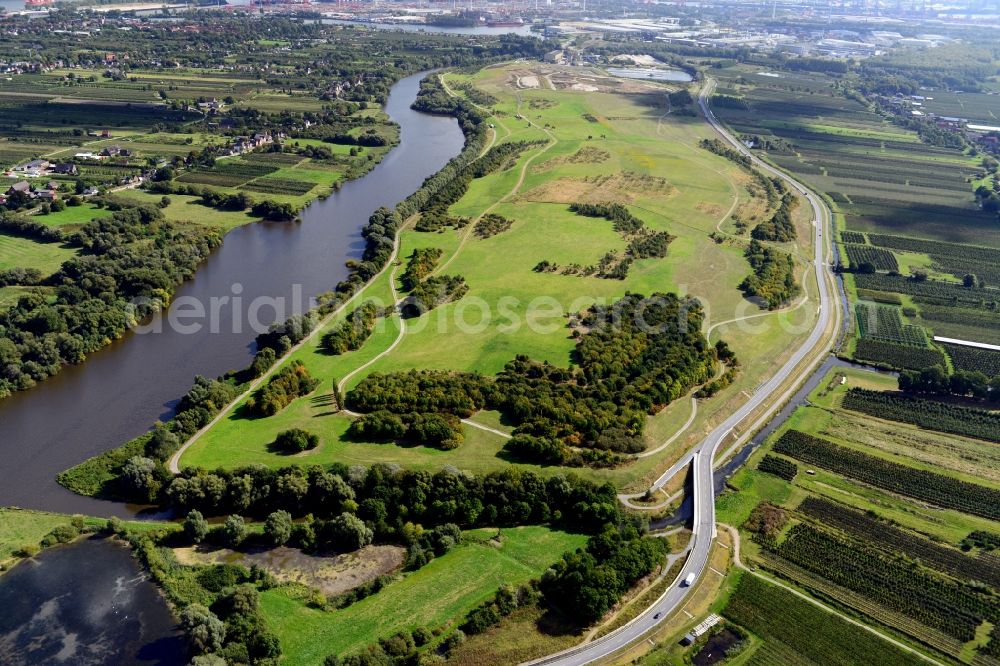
(702, 455)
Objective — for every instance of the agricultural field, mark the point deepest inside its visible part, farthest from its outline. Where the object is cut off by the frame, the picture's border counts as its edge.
(876, 519)
(631, 154)
(908, 187)
(431, 597)
(912, 214)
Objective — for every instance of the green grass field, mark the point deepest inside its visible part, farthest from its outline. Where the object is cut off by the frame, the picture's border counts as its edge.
(441, 592)
(654, 165)
(184, 208)
(72, 215)
(16, 252)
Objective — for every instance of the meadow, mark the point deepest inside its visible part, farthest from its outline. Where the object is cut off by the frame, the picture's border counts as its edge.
(639, 156)
(434, 596)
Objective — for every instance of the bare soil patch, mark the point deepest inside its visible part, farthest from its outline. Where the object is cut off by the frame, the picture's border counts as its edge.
(624, 187)
(332, 575)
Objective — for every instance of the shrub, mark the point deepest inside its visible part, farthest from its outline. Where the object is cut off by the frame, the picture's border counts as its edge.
(296, 440)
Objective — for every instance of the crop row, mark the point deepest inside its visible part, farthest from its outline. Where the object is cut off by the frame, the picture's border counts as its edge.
(932, 247)
(977, 298)
(880, 534)
(931, 599)
(279, 186)
(213, 178)
(861, 603)
(944, 491)
(972, 359)
(273, 159)
(816, 636)
(964, 316)
(883, 322)
(929, 414)
(988, 272)
(897, 356)
(879, 297)
(779, 467)
(855, 237)
(878, 258)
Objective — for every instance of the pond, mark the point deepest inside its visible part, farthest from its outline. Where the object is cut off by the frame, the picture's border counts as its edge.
(85, 604)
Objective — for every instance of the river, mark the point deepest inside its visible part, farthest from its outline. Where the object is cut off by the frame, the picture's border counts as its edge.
(85, 604)
(119, 392)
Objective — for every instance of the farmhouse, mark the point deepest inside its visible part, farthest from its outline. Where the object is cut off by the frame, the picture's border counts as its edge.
(68, 169)
(23, 187)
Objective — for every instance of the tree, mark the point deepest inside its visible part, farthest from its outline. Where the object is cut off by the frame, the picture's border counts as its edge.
(195, 526)
(348, 532)
(969, 281)
(296, 440)
(162, 443)
(139, 476)
(205, 631)
(278, 527)
(164, 201)
(234, 530)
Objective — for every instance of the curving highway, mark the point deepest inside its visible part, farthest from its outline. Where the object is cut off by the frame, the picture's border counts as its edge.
(702, 455)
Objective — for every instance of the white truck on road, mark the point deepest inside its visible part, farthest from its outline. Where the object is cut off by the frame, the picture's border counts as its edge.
(688, 580)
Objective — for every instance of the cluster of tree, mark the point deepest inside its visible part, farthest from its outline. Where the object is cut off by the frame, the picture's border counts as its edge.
(935, 380)
(388, 498)
(351, 333)
(981, 539)
(27, 228)
(130, 265)
(220, 608)
(492, 224)
(587, 583)
(637, 356)
(290, 382)
(624, 222)
(496, 159)
(555, 451)
(643, 243)
(432, 97)
(680, 98)
(400, 648)
(440, 430)
(779, 227)
(237, 202)
(233, 628)
(20, 276)
(432, 292)
(274, 211)
(421, 264)
(773, 277)
(369, 139)
(768, 142)
(438, 219)
(504, 602)
(282, 336)
(425, 545)
(295, 440)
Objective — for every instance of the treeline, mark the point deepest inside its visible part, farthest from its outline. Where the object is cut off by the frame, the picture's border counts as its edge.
(386, 498)
(930, 414)
(638, 355)
(238, 202)
(730, 102)
(28, 228)
(351, 333)
(935, 380)
(719, 148)
(130, 265)
(779, 227)
(773, 277)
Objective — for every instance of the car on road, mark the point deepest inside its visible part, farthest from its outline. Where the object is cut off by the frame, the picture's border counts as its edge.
(657, 616)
